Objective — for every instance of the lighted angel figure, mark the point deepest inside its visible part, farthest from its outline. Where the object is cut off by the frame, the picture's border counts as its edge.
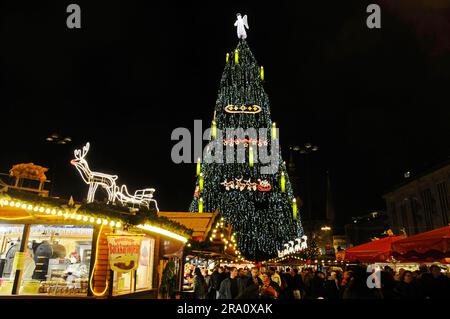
(241, 23)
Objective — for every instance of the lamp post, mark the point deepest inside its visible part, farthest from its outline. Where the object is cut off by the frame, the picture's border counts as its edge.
(307, 149)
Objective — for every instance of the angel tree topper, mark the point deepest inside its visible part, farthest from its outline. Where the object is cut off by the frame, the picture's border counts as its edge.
(241, 23)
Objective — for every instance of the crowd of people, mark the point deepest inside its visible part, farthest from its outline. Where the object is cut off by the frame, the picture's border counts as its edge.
(292, 283)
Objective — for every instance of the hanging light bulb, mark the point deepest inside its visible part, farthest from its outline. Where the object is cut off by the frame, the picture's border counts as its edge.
(294, 208)
(227, 57)
(236, 56)
(250, 156)
(262, 73)
(283, 182)
(198, 166)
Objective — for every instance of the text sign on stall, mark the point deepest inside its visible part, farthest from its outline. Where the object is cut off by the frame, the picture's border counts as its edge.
(124, 252)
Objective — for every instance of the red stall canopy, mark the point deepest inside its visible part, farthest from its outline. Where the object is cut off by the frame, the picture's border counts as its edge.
(375, 251)
(429, 246)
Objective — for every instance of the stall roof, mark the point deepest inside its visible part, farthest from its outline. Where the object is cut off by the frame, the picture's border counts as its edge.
(375, 251)
(200, 223)
(434, 244)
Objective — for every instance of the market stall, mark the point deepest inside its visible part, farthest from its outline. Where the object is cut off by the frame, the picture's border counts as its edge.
(57, 248)
(379, 250)
(429, 246)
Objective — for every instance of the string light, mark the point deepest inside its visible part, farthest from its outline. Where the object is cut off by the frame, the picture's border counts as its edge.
(163, 232)
(97, 294)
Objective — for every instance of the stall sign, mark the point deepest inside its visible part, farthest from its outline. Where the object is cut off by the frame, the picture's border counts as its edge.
(124, 252)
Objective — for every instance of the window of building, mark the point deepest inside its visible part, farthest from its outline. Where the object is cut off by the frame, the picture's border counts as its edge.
(10, 238)
(394, 215)
(123, 283)
(414, 213)
(140, 279)
(55, 260)
(404, 213)
(59, 258)
(144, 273)
(443, 201)
(428, 201)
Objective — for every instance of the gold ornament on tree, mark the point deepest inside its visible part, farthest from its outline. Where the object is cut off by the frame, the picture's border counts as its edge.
(262, 73)
(236, 56)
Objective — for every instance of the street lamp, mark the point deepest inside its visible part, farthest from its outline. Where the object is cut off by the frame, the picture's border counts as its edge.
(58, 139)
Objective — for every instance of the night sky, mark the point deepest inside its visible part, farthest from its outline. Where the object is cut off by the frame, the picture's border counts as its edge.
(374, 101)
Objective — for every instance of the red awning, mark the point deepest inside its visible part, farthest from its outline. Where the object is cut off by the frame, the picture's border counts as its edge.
(429, 246)
(375, 251)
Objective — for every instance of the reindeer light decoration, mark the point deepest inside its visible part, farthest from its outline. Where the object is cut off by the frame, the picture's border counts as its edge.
(141, 197)
(290, 248)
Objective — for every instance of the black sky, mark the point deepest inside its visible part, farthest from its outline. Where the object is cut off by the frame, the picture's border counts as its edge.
(375, 101)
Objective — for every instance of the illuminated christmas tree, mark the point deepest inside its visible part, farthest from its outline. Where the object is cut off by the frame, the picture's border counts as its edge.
(256, 201)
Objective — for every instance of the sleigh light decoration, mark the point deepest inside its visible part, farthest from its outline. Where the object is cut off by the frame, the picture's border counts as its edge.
(141, 197)
(294, 247)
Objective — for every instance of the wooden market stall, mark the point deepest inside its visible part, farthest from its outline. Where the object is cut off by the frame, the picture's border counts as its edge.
(50, 247)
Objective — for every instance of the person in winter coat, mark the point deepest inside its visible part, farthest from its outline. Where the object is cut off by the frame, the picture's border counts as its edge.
(214, 284)
(269, 289)
(406, 288)
(229, 288)
(440, 284)
(200, 287)
(332, 286)
(318, 286)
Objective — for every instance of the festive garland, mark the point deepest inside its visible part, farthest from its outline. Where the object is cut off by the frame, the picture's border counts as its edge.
(245, 141)
(262, 185)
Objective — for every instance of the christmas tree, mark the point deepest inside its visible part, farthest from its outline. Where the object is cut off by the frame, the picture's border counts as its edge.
(252, 193)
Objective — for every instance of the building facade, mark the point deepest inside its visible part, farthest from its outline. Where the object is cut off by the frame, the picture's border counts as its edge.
(422, 203)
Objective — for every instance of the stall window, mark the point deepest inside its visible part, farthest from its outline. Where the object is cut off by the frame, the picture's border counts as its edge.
(10, 237)
(141, 279)
(144, 272)
(123, 283)
(58, 260)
